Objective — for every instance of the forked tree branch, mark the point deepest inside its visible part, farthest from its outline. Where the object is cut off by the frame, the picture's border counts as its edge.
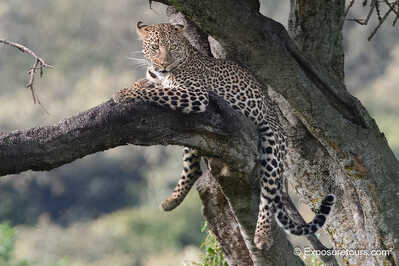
(375, 7)
(38, 66)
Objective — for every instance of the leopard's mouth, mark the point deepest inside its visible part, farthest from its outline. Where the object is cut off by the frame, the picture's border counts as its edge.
(155, 74)
(152, 74)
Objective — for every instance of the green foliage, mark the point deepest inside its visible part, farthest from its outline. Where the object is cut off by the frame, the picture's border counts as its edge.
(61, 262)
(7, 245)
(7, 242)
(7, 249)
(141, 236)
(212, 253)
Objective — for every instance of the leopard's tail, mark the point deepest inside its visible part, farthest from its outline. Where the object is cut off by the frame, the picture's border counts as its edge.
(273, 148)
(292, 227)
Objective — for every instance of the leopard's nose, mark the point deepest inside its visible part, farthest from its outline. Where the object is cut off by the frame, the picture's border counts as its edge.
(161, 69)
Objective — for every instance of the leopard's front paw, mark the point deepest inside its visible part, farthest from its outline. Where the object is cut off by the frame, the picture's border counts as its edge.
(134, 93)
(123, 95)
(117, 96)
(143, 84)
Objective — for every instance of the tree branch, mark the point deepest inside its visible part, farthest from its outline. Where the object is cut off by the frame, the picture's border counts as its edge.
(110, 125)
(375, 8)
(38, 65)
(382, 20)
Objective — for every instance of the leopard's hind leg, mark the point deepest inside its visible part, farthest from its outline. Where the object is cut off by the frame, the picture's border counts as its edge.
(191, 172)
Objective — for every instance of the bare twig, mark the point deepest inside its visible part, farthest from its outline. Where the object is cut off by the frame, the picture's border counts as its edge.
(380, 23)
(349, 7)
(366, 20)
(397, 17)
(38, 65)
(392, 7)
(375, 7)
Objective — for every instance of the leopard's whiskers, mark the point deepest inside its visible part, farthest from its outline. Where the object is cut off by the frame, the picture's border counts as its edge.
(139, 62)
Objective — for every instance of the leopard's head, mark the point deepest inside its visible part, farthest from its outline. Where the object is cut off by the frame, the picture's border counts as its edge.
(163, 45)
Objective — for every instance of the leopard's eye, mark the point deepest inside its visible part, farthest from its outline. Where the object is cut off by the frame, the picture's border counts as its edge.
(173, 46)
(154, 46)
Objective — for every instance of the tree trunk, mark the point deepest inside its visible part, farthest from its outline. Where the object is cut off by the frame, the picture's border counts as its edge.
(336, 146)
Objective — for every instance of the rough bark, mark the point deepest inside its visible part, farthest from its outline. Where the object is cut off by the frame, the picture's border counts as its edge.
(110, 125)
(336, 145)
(316, 28)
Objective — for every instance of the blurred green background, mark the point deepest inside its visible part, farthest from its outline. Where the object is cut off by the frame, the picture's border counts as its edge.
(103, 209)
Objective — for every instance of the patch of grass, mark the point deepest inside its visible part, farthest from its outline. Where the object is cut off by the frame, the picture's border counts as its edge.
(212, 253)
(143, 236)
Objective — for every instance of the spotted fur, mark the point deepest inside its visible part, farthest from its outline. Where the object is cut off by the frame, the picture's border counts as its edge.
(180, 77)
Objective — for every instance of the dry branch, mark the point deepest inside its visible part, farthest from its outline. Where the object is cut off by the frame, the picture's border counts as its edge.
(381, 21)
(375, 8)
(38, 65)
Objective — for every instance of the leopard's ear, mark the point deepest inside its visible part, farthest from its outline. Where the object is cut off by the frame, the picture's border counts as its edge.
(179, 27)
(140, 29)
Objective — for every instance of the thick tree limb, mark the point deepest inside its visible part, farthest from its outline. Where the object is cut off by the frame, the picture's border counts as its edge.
(110, 125)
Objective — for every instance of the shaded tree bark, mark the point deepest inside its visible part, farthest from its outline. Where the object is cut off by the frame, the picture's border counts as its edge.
(335, 145)
(316, 28)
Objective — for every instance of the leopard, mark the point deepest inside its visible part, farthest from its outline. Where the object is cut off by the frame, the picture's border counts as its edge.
(181, 78)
